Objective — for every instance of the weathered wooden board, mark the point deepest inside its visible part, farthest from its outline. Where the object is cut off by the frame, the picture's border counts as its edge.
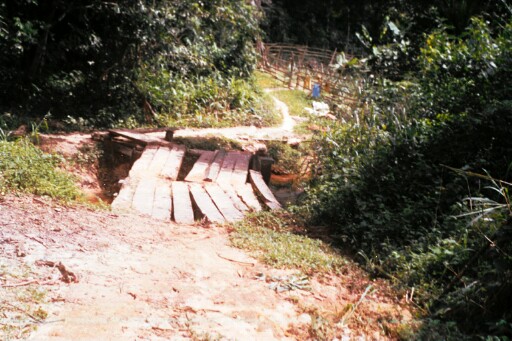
(140, 138)
(246, 192)
(123, 201)
(162, 204)
(142, 163)
(230, 190)
(182, 205)
(205, 203)
(157, 164)
(241, 168)
(198, 171)
(223, 203)
(226, 170)
(144, 195)
(261, 187)
(172, 166)
(214, 169)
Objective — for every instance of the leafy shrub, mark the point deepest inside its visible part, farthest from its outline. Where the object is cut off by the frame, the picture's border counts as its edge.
(385, 181)
(25, 167)
(205, 101)
(287, 159)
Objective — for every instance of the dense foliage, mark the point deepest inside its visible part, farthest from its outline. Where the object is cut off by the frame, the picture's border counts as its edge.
(412, 184)
(333, 24)
(106, 61)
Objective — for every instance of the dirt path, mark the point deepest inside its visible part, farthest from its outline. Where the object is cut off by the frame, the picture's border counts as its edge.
(281, 132)
(139, 279)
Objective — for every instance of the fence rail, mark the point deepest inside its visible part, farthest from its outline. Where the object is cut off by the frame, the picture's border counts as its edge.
(301, 67)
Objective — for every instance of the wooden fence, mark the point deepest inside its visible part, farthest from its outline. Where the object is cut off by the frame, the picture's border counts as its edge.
(301, 67)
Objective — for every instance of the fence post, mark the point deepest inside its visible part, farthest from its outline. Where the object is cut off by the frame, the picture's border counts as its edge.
(292, 62)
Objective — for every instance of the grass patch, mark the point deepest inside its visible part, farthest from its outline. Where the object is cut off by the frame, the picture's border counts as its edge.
(25, 167)
(296, 100)
(265, 81)
(271, 237)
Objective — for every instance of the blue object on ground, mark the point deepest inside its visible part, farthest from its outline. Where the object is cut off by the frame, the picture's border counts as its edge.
(316, 91)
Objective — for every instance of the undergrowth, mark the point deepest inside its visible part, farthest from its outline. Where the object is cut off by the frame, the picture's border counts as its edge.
(417, 182)
(288, 160)
(25, 167)
(274, 239)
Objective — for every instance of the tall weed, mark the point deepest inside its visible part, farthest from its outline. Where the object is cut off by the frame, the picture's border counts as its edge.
(25, 167)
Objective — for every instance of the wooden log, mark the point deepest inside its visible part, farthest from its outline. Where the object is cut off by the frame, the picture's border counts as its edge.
(223, 203)
(162, 205)
(198, 171)
(144, 195)
(214, 169)
(266, 168)
(173, 163)
(226, 170)
(246, 193)
(205, 203)
(126, 151)
(140, 138)
(261, 187)
(169, 134)
(182, 205)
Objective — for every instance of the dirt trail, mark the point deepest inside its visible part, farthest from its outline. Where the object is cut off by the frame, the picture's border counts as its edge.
(147, 280)
(140, 279)
(281, 132)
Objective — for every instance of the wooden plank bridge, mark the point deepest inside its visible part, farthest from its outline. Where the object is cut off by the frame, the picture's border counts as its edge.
(220, 185)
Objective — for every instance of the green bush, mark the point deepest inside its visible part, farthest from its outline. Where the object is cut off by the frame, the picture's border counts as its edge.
(25, 167)
(287, 159)
(386, 184)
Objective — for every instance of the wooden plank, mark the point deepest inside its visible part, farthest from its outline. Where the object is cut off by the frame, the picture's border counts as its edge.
(226, 170)
(162, 205)
(144, 195)
(205, 203)
(198, 171)
(231, 192)
(172, 166)
(241, 168)
(140, 138)
(123, 201)
(261, 187)
(246, 192)
(142, 163)
(223, 203)
(158, 162)
(182, 205)
(214, 169)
